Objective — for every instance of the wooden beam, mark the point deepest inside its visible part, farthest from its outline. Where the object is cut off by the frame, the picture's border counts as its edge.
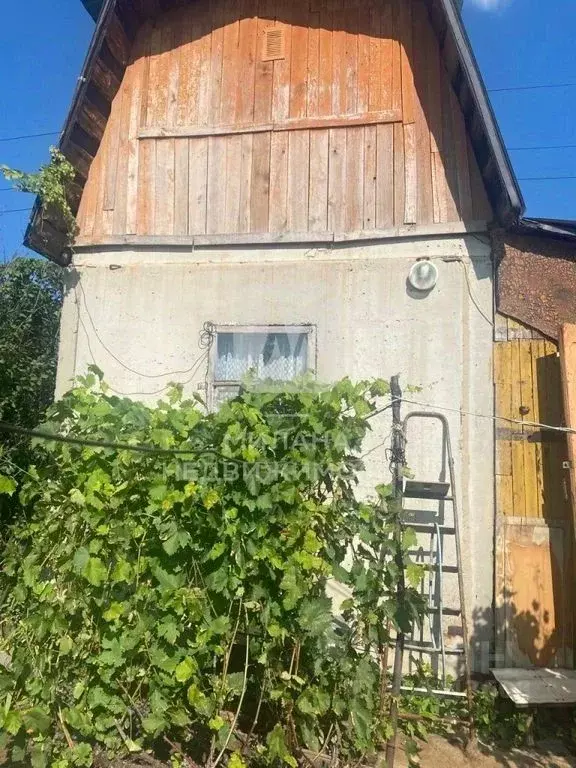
(292, 124)
(567, 345)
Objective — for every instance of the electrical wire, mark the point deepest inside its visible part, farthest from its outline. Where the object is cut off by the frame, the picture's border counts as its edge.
(473, 299)
(29, 136)
(206, 339)
(544, 146)
(14, 210)
(532, 87)
(545, 178)
(143, 448)
(55, 437)
(192, 370)
(549, 427)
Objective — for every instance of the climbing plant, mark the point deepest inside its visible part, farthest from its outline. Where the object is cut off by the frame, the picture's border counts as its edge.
(163, 606)
(51, 184)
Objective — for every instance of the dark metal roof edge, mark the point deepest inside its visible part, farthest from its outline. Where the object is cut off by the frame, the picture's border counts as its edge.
(487, 116)
(558, 229)
(79, 91)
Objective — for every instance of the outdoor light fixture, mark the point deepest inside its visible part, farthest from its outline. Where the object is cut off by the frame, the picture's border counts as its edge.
(423, 276)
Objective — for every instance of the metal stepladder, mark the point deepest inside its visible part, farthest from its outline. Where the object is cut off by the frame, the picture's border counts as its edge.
(440, 526)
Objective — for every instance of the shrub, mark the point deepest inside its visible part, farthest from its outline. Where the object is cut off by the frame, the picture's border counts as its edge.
(161, 605)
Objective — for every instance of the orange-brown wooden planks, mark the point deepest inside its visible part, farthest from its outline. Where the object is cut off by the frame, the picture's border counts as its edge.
(196, 138)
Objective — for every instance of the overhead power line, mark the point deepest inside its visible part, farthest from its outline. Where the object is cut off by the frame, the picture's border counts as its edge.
(28, 136)
(546, 178)
(14, 210)
(544, 146)
(532, 87)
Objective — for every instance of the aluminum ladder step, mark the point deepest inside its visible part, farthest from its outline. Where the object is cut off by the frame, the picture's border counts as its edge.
(419, 489)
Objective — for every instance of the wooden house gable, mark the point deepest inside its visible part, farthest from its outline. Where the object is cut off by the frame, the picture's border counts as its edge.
(265, 116)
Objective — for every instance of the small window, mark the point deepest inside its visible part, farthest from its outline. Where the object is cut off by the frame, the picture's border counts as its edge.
(280, 353)
(274, 47)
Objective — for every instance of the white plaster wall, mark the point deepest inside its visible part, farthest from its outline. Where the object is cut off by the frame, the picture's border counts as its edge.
(147, 308)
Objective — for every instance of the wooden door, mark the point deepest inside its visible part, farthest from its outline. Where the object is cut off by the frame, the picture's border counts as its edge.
(534, 559)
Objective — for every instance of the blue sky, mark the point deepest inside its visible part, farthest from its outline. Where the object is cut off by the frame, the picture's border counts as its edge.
(517, 43)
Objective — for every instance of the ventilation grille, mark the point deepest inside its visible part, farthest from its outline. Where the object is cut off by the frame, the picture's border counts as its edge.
(274, 45)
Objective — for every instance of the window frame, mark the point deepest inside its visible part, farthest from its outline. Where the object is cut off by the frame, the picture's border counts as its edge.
(213, 384)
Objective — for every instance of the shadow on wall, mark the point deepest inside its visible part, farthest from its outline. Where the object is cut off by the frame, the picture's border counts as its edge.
(524, 638)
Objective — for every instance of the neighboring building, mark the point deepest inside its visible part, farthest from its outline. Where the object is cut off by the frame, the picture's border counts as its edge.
(276, 167)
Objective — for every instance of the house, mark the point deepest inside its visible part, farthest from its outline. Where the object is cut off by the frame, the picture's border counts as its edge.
(256, 179)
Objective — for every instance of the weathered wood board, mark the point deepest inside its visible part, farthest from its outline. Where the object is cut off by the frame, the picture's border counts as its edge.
(375, 136)
(534, 553)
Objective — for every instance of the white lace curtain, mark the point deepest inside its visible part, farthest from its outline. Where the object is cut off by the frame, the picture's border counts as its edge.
(280, 356)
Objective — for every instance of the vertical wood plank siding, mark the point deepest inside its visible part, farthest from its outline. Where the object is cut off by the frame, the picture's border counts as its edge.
(534, 567)
(201, 67)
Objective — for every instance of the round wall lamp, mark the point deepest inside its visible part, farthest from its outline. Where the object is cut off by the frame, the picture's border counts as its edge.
(423, 276)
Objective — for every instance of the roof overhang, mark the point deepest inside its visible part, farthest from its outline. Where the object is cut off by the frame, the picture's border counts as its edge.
(116, 28)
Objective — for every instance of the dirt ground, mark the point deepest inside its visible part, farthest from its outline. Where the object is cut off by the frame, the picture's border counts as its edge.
(439, 753)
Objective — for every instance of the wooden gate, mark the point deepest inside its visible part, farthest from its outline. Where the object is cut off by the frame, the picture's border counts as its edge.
(534, 559)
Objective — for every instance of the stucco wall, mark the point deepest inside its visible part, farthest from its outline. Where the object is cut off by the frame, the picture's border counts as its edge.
(147, 310)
